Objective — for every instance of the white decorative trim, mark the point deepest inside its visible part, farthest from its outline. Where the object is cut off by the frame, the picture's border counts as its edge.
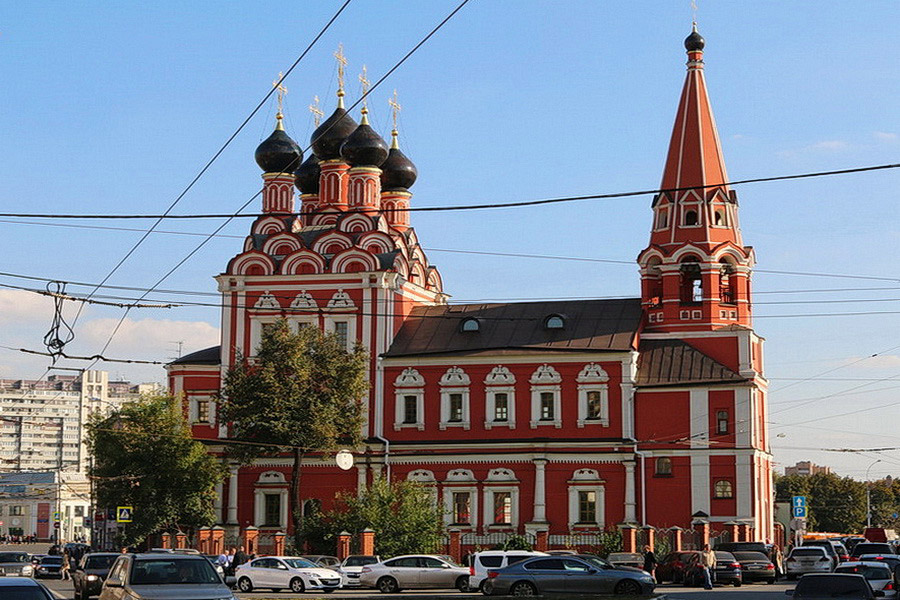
(304, 301)
(341, 300)
(473, 504)
(544, 375)
(501, 474)
(400, 409)
(455, 377)
(460, 475)
(600, 508)
(421, 475)
(267, 302)
(500, 375)
(592, 373)
(409, 378)
(455, 381)
(490, 406)
(593, 378)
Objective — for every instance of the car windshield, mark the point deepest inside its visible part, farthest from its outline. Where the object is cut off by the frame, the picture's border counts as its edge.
(13, 557)
(100, 562)
(867, 571)
(724, 556)
(807, 552)
(51, 560)
(299, 563)
(751, 556)
(360, 561)
(831, 586)
(22, 592)
(596, 560)
(624, 556)
(164, 571)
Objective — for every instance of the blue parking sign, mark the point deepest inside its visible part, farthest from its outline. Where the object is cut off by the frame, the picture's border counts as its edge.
(799, 512)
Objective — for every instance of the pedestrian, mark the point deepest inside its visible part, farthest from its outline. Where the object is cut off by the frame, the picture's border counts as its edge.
(240, 557)
(650, 561)
(708, 562)
(65, 566)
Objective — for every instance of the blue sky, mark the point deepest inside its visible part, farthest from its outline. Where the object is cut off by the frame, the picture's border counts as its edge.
(111, 107)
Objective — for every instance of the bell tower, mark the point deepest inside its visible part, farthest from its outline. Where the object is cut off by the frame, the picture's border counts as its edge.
(695, 273)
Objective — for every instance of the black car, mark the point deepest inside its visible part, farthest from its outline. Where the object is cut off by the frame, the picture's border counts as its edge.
(743, 547)
(727, 571)
(50, 566)
(91, 572)
(828, 586)
(871, 548)
(756, 566)
(675, 565)
(577, 574)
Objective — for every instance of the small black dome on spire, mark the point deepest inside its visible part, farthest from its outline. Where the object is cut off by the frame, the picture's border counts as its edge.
(398, 173)
(694, 42)
(328, 137)
(306, 178)
(364, 147)
(278, 153)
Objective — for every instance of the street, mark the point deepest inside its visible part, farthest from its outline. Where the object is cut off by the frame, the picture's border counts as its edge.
(747, 592)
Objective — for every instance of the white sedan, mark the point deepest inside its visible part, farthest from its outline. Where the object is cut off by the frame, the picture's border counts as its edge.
(286, 572)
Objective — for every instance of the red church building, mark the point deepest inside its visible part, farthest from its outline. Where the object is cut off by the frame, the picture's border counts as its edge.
(524, 417)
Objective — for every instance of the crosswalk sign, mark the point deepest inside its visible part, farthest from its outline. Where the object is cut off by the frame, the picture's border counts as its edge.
(124, 513)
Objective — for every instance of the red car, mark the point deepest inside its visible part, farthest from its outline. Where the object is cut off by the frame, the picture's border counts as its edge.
(674, 566)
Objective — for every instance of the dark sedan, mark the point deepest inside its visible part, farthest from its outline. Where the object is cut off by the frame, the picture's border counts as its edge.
(827, 586)
(91, 572)
(50, 566)
(756, 566)
(579, 574)
(675, 565)
(727, 571)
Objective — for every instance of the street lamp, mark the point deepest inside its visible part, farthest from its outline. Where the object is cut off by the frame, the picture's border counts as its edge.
(869, 495)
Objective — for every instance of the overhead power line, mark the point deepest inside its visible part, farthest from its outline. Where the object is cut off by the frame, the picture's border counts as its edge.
(460, 207)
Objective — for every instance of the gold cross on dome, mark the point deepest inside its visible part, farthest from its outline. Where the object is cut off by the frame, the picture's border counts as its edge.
(342, 62)
(281, 91)
(365, 90)
(395, 108)
(316, 111)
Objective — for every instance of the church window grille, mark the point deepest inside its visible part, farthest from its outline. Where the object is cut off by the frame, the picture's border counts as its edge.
(547, 406)
(501, 407)
(727, 283)
(410, 410)
(723, 489)
(272, 510)
(594, 405)
(203, 411)
(691, 282)
(456, 408)
(341, 330)
(587, 506)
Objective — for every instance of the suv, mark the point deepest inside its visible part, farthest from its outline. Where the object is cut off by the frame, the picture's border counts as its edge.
(829, 549)
(494, 559)
(15, 564)
(743, 547)
(163, 577)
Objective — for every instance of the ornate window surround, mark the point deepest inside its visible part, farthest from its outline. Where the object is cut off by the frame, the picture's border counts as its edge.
(500, 381)
(593, 378)
(546, 379)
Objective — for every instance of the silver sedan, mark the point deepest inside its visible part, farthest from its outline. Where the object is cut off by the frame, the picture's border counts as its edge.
(414, 571)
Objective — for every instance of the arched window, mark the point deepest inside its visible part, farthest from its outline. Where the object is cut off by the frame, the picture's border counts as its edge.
(719, 218)
(654, 282)
(555, 322)
(723, 489)
(662, 219)
(470, 325)
(664, 466)
(691, 281)
(690, 217)
(727, 282)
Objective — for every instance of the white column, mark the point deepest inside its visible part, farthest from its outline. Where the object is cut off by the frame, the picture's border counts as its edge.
(233, 496)
(630, 505)
(360, 479)
(217, 503)
(540, 497)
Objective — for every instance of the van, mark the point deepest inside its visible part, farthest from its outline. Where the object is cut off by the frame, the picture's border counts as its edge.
(480, 562)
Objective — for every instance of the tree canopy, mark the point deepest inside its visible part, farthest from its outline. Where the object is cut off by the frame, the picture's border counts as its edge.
(835, 503)
(301, 393)
(144, 456)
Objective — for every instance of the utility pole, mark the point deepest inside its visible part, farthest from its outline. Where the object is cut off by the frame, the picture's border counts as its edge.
(869, 495)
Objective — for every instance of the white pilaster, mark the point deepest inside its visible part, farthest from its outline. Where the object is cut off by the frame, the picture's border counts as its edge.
(744, 491)
(233, 496)
(217, 503)
(540, 491)
(700, 484)
(630, 504)
(360, 479)
(629, 374)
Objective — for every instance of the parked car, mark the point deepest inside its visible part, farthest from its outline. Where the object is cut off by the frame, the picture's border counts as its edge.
(892, 560)
(15, 564)
(414, 571)
(24, 588)
(756, 566)
(807, 559)
(286, 572)
(323, 560)
(36, 558)
(579, 574)
(879, 575)
(842, 553)
(829, 548)
(727, 571)
(674, 566)
(828, 586)
(88, 576)
(481, 562)
(626, 559)
(851, 542)
(163, 577)
(743, 547)
(872, 548)
(50, 566)
(352, 567)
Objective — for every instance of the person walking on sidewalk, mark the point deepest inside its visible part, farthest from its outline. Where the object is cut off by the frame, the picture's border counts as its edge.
(650, 561)
(708, 562)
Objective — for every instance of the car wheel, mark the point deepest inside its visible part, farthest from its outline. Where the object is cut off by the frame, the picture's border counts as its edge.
(628, 587)
(771, 581)
(737, 584)
(522, 588)
(387, 585)
(245, 585)
(482, 588)
(462, 583)
(297, 585)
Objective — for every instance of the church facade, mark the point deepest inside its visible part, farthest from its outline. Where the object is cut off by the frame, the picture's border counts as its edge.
(524, 417)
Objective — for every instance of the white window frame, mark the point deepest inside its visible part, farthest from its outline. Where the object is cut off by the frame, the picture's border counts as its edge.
(489, 490)
(195, 410)
(697, 207)
(310, 320)
(490, 406)
(455, 381)
(448, 492)
(587, 480)
(662, 209)
(348, 318)
(256, 327)
(593, 378)
(409, 383)
(259, 506)
(546, 379)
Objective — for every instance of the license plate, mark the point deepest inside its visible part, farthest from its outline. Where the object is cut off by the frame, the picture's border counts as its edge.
(756, 566)
(353, 575)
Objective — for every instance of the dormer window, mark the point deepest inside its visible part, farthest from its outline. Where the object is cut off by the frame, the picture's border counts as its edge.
(719, 218)
(690, 218)
(470, 325)
(555, 322)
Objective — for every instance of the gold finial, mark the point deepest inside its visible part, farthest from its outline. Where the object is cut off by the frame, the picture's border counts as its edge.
(316, 111)
(281, 92)
(365, 90)
(342, 62)
(395, 110)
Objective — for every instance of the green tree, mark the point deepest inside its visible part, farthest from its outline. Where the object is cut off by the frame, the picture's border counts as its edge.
(837, 503)
(403, 514)
(144, 456)
(885, 497)
(301, 392)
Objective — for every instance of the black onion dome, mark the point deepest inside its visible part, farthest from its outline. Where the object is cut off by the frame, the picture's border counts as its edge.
(306, 178)
(398, 172)
(694, 42)
(364, 147)
(328, 137)
(278, 153)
